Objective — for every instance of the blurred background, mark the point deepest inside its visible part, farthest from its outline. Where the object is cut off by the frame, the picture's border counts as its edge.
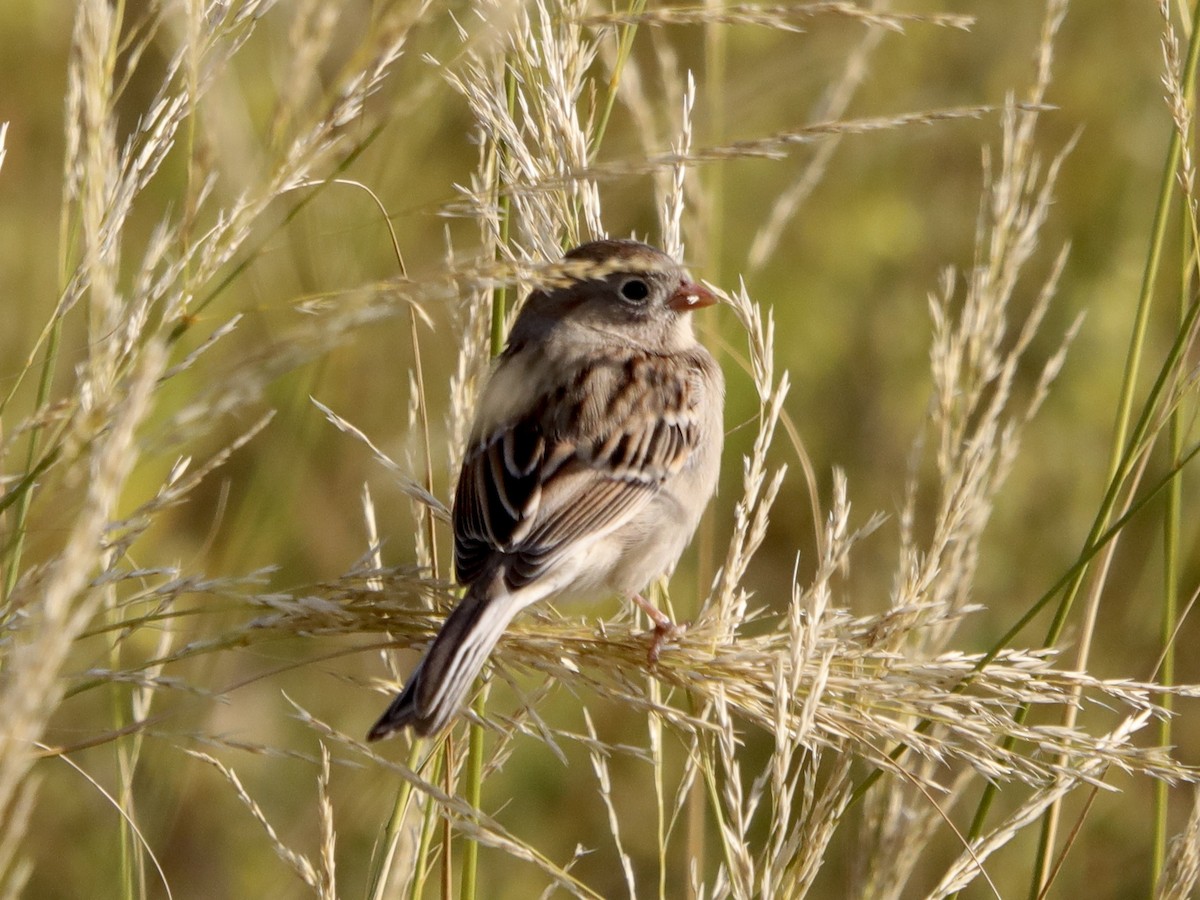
(848, 284)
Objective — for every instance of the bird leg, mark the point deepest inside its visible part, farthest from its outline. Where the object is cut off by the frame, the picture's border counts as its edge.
(664, 628)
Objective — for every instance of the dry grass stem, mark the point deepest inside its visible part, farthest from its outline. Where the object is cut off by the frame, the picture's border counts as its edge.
(779, 17)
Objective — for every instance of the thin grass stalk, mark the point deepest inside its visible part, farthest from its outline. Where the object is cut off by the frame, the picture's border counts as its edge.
(1126, 448)
(696, 804)
(192, 180)
(67, 225)
(1175, 157)
(708, 768)
(424, 840)
(1173, 511)
(1133, 445)
(1172, 523)
(474, 794)
(129, 845)
(715, 68)
(1122, 455)
(696, 843)
(604, 788)
(428, 825)
(716, 59)
(1153, 259)
(1061, 859)
(500, 294)
(624, 45)
(657, 763)
(382, 870)
(127, 754)
(474, 785)
(46, 378)
(450, 764)
(396, 820)
(422, 403)
(25, 497)
(140, 702)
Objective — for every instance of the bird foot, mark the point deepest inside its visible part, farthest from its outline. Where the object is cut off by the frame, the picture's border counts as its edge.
(664, 629)
(663, 634)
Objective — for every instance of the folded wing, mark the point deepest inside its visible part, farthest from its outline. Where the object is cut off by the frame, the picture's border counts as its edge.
(577, 464)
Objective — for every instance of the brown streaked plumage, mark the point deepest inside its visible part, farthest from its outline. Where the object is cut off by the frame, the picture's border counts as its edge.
(594, 451)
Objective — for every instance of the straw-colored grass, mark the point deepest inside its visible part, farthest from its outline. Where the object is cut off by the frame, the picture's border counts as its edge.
(278, 218)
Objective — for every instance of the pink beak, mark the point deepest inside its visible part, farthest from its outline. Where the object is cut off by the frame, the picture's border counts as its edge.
(689, 296)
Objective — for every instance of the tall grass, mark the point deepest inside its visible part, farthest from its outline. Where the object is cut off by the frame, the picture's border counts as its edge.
(275, 218)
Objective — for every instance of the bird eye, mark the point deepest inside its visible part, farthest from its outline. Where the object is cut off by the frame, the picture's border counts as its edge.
(635, 289)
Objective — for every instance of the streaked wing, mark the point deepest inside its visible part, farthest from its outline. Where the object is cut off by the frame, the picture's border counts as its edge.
(579, 462)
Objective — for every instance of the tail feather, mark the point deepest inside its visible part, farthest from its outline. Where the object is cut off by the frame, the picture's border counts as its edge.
(438, 685)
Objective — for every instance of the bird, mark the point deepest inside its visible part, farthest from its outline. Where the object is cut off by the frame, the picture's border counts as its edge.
(594, 451)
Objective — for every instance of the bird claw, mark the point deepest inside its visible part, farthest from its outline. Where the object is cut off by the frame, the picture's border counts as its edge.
(664, 629)
(664, 632)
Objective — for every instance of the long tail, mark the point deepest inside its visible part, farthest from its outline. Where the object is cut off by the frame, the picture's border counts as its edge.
(442, 679)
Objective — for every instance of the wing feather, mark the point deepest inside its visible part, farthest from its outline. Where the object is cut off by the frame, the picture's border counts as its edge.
(577, 463)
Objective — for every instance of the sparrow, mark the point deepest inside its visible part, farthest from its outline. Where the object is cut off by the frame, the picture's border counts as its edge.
(595, 448)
